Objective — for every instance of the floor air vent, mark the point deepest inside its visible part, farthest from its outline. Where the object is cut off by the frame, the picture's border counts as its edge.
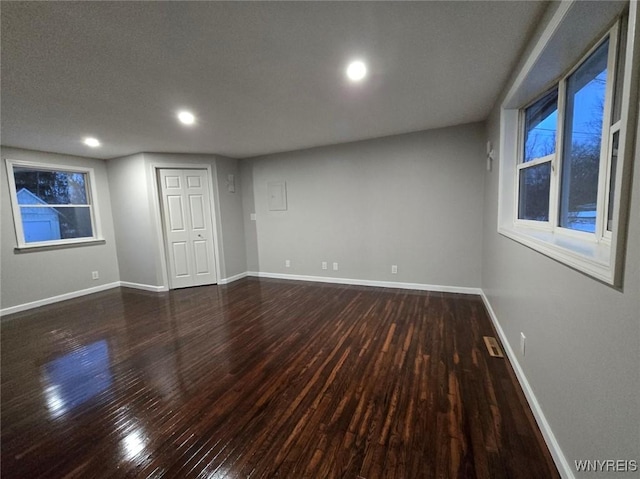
(493, 347)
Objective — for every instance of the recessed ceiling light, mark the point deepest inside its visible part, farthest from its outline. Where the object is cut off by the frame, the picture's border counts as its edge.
(92, 142)
(186, 117)
(357, 70)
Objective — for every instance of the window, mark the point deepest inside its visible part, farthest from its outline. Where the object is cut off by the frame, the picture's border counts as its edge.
(567, 151)
(611, 185)
(539, 148)
(52, 205)
(583, 94)
(583, 135)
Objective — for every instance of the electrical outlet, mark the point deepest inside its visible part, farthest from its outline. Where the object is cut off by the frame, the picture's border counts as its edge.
(253, 216)
(324, 265)
(394, 269)
(335, 266)
(523, 340)
(95, 275)
(287, 263)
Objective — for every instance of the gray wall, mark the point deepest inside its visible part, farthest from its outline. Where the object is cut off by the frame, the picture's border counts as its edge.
(135, 236)
(249, 207)
(37, 275)
(412, 200)
(583, 337)
(230, 210)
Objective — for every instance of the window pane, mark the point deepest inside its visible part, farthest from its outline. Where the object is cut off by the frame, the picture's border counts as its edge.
(612, 179)
(540, 125)
(582, 138)
(50, 187)
(535, 182)
(49, 224)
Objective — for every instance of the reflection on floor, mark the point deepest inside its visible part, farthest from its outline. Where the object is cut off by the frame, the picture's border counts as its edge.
(76, 377)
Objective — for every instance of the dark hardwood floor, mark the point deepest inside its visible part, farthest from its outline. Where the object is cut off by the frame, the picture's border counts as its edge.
(262, 379)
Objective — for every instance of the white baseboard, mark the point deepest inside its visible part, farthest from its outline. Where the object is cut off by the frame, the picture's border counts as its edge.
(558, 456)
(144, 287)
(368, 282)
(233, 278)
(76, 294)
(55, 299)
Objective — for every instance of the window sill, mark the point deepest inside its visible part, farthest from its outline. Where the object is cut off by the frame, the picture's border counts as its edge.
(588, 257)
(49, 247)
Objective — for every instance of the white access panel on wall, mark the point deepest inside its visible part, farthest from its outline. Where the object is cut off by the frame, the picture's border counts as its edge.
(188, 227)
(277, 194)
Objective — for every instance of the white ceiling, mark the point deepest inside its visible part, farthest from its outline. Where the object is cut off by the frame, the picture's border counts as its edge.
(261, 77)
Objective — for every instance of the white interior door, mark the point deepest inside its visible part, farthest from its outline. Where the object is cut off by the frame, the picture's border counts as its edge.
(188, 227)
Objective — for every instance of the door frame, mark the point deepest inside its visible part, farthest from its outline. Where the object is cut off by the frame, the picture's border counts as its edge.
(156, 207)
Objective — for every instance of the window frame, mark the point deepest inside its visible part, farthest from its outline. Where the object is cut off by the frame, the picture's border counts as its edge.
(606, 233)
(92, 205)
(599, 255)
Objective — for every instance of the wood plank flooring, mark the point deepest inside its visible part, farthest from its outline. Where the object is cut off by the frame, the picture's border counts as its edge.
(263, 379)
